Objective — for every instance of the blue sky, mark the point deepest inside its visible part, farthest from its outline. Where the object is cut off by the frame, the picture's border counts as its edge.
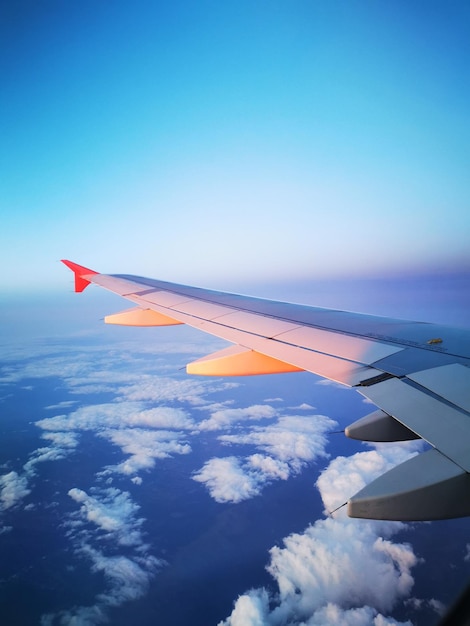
(227, 142)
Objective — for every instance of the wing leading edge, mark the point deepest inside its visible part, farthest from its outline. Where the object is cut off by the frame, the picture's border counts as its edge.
(417, 374)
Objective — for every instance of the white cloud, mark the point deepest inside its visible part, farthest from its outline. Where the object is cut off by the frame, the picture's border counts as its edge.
(227, 480)
(124, 424)
(145, 434)
(340, 562)
(70, 369)
(328, 574)
(13, 488)
(64, 440)
(61, 405)
(295, 439)
(467, 552)
(288, 444)
(269, 467)
(145, 446)
(342, 571)
(44, 454)
(419, 604)
(97, 417)
(78, 616)
(163, 417)
(92, 369)
(363, 616)
(345, 476)
(231, 479)
(222, 419)
(251, 609)
(164, 389)
(114, 517)
(126, 579)
(437, 606)
(63, 443)
(326, 382)
(112, 511)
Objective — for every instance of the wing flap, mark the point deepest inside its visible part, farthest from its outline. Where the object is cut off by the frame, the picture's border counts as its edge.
(443, 426)
(452, 382)
(337, 344)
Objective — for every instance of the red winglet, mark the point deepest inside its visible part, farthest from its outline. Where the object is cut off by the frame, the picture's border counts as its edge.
(80, 272)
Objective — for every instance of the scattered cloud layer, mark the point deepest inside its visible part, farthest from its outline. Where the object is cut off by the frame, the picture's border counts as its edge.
(348, 475)
(110, 516)
(227, 480)
(224, 419)
(61, 445)
(339, 570)
(295, 439)
(144, 447)
(285, 447)
(145, 435)
(164, 389)
(112, 511)
(115, 415)
(13, 488)
(122, 369)
(66, 404)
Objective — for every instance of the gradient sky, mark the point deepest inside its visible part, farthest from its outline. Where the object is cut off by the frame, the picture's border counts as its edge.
(210, 142)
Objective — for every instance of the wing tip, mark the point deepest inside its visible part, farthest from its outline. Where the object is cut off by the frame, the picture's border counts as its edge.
(79, 272)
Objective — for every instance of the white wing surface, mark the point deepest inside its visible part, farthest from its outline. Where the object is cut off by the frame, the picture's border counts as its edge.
(417, 374)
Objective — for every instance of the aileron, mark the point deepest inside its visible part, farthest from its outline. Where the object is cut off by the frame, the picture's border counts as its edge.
(451, 382)
(441, 425)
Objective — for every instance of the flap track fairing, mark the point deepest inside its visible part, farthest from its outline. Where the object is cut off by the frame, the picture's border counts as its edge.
(138, 316)
(379, 426)
(239, 361)
(428, 486)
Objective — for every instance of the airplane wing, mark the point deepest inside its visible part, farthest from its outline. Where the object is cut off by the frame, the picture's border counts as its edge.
(417, 374)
